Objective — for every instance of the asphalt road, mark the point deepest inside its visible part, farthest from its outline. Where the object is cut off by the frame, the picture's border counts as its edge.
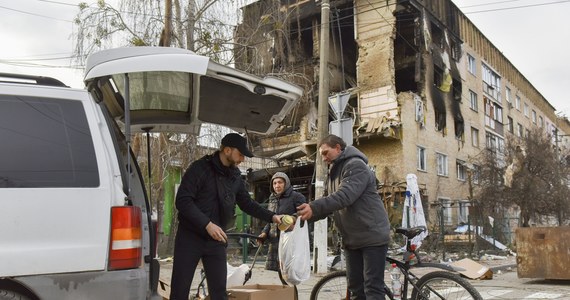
(504, 285)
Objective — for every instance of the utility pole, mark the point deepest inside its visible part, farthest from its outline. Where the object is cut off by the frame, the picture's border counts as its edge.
(321, 227)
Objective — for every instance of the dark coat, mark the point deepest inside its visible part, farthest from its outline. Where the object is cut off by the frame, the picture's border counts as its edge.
(209, 192)
(353, 198)
(284, 204)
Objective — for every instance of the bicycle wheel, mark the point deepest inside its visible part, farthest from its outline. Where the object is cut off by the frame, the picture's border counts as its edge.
(332, 286)
(444, 285)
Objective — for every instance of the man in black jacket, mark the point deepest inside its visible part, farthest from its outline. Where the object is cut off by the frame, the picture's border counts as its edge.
(358, 213)
(205, 201)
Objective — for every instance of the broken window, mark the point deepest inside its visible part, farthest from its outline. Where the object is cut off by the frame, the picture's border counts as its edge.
(406, 50)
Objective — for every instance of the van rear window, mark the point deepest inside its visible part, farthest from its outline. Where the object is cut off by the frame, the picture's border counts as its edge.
(45, 142)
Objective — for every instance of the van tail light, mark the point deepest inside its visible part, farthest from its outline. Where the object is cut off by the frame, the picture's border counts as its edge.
(126, 238)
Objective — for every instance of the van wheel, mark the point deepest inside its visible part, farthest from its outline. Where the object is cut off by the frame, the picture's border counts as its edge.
(11, 295)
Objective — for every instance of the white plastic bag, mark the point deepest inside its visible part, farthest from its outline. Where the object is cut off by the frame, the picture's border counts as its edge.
(236, 275)
(294, 253)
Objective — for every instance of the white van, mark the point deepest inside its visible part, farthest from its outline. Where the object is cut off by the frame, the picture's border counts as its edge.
(75, 216)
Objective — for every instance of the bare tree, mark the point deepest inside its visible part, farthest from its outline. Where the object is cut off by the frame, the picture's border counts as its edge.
(527, 174)
(204, 26)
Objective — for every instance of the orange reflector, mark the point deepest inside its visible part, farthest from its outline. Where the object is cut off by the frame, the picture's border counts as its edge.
(126, 238)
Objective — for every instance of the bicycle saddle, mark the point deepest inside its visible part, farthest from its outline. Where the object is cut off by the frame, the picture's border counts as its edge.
(410, 233)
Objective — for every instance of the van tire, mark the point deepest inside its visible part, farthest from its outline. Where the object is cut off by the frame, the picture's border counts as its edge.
(11, 295)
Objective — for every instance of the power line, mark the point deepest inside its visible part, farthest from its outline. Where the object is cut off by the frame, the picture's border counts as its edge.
(33, 14)
(34, 65)
(38, 59)
(492, 3)
(515, 7)
(57, 2)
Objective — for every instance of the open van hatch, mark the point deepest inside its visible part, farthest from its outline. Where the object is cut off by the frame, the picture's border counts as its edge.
(175, 90)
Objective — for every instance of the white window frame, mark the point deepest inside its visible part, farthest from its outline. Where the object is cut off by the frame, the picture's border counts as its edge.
(520, 130)
(442, 164)
(518, 103)
(475, 173)
(526, 109)
(533, 116)
(422, 159)
(494, 142)
(491, 82)
(508, 94)
(471, 64)
(446, 210)
(510, 125)
(461, 170)
(540, 121)
(473, 102)
(475, 137)
(463, 213)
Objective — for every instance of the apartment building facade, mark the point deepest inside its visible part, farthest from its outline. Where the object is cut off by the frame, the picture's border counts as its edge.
(428, 91)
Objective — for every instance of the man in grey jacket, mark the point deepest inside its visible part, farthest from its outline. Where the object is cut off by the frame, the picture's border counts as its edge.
(358, 212)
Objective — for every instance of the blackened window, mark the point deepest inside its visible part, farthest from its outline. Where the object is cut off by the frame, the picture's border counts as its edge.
(45, 143)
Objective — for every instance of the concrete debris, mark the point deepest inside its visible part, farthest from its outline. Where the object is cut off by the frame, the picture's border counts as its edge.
(493, 257)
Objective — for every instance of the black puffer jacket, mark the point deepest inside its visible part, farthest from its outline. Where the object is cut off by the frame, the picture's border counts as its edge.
(353, 199)
(209, 192)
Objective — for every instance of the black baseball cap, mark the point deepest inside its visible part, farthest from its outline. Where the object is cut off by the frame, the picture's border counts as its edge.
(237, 141)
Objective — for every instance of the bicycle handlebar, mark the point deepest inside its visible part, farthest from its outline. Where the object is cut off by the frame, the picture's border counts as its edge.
(241, 235)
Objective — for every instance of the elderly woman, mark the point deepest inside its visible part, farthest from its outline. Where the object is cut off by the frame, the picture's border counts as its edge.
(283, 201)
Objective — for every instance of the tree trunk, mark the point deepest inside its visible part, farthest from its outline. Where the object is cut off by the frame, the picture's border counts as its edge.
(191, 24)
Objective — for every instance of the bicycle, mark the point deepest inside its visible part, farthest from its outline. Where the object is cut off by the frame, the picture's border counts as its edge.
(445, 285)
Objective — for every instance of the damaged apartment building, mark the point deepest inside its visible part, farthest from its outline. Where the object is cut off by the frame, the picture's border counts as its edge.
(428, 91)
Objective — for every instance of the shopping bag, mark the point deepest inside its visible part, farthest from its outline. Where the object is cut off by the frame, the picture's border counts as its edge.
(236, 275)
(294, 253)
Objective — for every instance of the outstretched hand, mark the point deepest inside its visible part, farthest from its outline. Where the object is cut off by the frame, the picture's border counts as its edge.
(304, 211)
(261, 238)
(216, 232)
(276, 219)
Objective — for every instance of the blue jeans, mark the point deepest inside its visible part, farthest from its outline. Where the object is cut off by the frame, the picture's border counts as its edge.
(365, 272)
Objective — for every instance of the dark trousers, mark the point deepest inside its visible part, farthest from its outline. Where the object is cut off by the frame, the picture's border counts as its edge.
(365, 272)
(189, 248)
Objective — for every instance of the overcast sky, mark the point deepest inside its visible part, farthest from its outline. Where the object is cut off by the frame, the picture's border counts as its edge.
(36, 39)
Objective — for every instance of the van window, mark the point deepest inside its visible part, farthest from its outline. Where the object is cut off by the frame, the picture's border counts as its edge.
(45, 142)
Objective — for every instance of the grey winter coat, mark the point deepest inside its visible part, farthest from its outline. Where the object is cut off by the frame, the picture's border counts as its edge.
(358, 211)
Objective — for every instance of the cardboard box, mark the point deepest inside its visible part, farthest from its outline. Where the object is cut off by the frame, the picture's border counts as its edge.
(261, 292)
(163, 289)
(473, 270)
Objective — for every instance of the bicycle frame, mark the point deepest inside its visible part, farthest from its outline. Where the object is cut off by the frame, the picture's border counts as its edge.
(445, 280)
(405, 265)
